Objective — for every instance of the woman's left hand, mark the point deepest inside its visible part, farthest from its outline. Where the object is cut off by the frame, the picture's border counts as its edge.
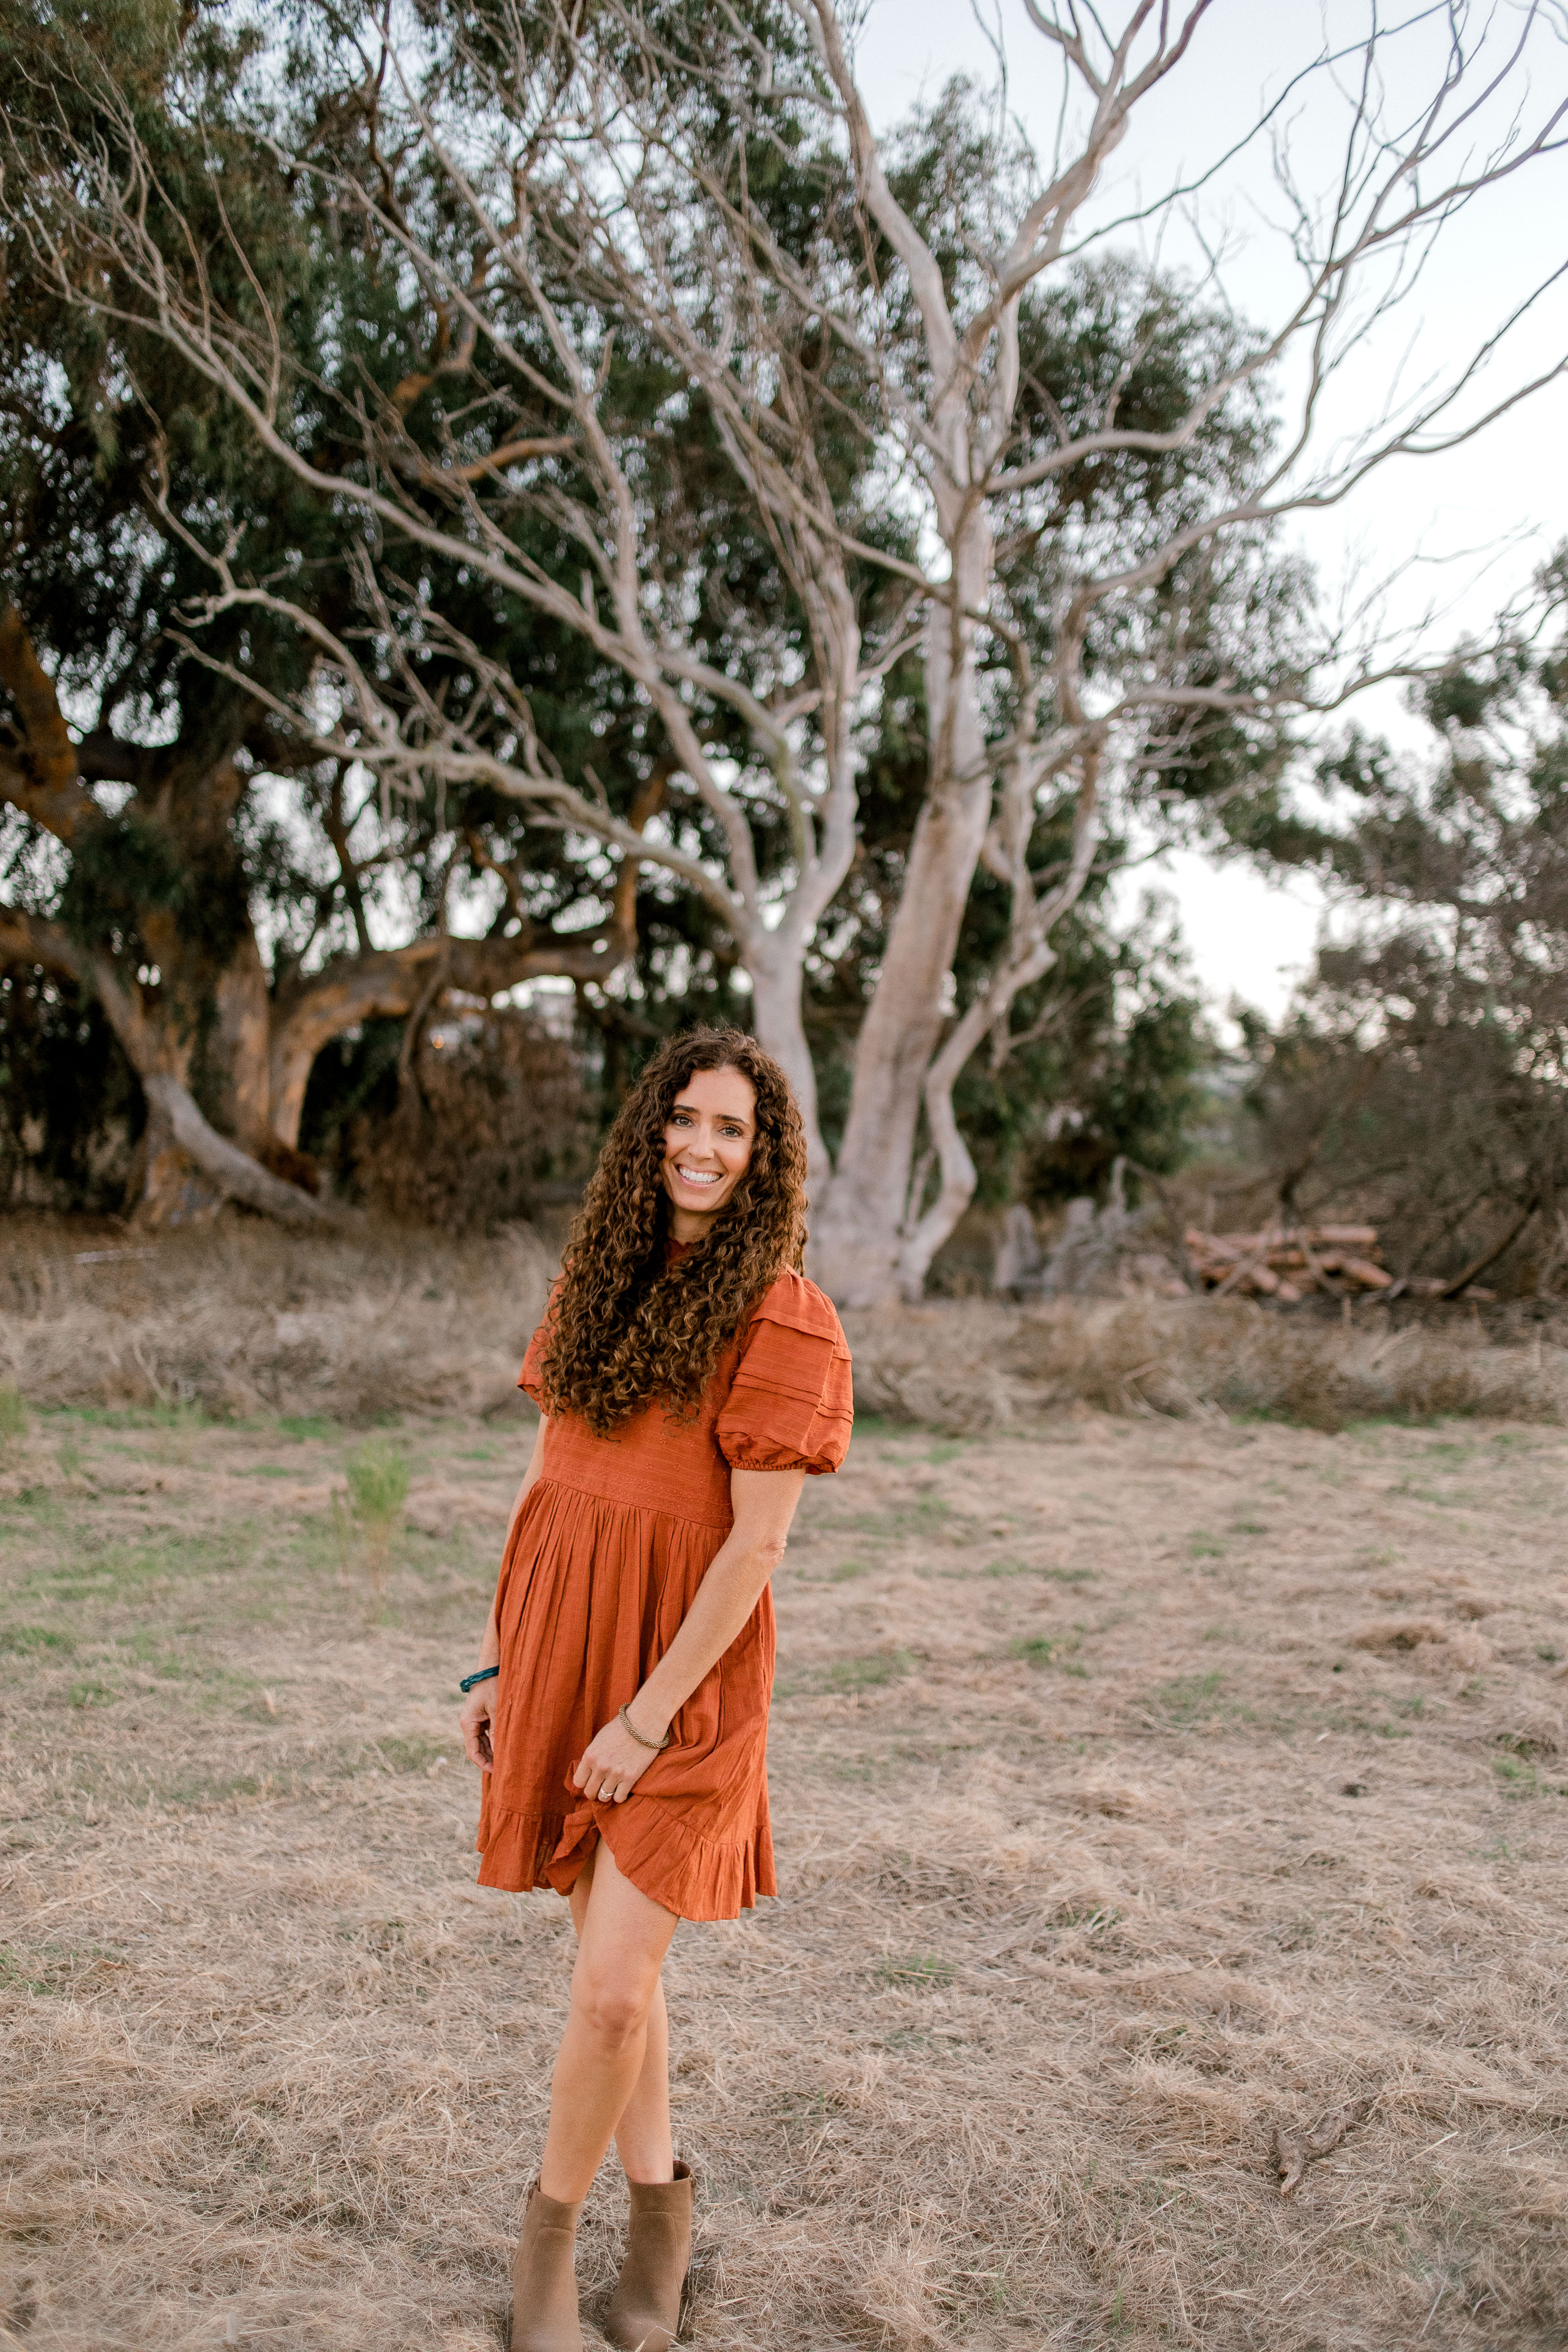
(613, 1762)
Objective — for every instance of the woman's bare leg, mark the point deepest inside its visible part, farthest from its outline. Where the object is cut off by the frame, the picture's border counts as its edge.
(643, 2139)
(621, 1939)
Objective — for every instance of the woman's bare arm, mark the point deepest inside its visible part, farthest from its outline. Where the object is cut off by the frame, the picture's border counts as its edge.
(764, 1503)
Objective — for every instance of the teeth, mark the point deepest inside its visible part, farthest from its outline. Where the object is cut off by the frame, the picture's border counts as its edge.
(693, 1176)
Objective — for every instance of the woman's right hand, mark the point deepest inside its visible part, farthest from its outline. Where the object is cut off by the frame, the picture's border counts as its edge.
(475, 1725)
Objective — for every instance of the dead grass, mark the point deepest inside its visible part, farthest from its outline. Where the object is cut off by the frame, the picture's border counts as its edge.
(1079, 1909)
(968, 1367)
(240, 1317)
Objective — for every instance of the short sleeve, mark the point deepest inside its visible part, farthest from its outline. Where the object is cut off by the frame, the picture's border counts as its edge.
(533, 1363)
(792, 1403)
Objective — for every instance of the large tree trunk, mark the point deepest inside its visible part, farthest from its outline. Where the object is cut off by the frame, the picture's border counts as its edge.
(858, 1234)
(776, 977)
(190, 1167)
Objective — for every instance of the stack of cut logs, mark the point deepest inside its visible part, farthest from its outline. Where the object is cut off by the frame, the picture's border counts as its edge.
(1286, 1263)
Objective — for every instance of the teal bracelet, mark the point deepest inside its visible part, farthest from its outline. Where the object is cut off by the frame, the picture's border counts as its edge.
(467, 1684)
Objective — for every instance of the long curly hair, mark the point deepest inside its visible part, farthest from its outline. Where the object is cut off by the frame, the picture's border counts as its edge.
(626, 1328)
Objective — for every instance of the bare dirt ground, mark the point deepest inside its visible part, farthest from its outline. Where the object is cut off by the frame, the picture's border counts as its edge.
(1141, 1786)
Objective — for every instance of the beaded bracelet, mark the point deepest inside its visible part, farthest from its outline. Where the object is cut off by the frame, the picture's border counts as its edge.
(658, 1746)
(484, 1674)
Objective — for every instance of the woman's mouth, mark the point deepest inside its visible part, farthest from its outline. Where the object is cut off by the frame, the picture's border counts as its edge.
(701, 1178)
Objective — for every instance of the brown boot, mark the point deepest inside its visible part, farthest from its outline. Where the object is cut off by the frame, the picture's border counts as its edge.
(645, 2309)
(543, 2282)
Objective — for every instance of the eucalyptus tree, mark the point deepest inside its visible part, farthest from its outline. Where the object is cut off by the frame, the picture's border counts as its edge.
(762, 405)
(174, 851)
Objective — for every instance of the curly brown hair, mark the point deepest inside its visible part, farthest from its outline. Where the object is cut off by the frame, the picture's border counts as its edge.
(626, 1328)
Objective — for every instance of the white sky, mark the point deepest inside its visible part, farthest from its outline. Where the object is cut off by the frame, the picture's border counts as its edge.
(1477, 520)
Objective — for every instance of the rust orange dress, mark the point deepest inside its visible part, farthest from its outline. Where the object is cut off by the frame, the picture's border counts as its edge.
(612, 1539)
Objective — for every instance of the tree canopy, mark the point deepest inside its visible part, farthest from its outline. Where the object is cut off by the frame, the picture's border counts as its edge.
(591, 505)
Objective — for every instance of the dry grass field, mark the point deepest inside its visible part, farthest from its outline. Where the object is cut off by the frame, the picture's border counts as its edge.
(1142, 1787)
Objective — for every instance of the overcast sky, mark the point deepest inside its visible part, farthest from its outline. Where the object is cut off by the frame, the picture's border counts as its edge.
(1478, 520)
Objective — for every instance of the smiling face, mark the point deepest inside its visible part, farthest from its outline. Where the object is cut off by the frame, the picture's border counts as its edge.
(708, 1140)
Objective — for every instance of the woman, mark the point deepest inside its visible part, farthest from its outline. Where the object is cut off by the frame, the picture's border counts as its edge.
(690, 1379)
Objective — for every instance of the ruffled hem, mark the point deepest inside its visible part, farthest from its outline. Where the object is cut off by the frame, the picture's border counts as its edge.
(664, 1858)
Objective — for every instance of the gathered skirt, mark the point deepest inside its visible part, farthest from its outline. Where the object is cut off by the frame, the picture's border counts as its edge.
(592, 1591)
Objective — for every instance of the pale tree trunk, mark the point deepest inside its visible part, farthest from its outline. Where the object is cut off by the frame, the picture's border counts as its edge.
(857, 1237)
(1030, 957)
(776, 1012)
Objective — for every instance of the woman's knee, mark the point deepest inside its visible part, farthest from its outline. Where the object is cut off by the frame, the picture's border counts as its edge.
(613, 2013)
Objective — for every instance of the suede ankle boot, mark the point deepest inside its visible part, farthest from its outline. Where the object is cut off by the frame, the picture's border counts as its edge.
(645, 2309)
(544, 2279)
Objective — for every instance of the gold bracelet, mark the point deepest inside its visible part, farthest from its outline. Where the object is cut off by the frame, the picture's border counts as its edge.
(658, 1746)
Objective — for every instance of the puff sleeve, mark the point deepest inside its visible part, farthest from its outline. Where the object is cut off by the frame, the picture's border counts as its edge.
(528, 1379)
(791, 1402)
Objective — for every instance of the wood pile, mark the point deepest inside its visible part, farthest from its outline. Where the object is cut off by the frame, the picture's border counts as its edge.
(1287, 1262)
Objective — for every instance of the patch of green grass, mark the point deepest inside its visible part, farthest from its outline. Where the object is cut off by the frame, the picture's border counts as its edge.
(267, 1470)
(846, 1570)
(42, 1508)
(1189, 1697)
(1034, 1649)
(1011, 1568)
(1204, 1547)
(377, 1473)
(215, 1789)
(927, 1971)
(303, 1425)
(871, 1672)
(1520, 1778)
(1247, 1528)
(416, 1755)
(70, 1457)
(30, 1641)
(1544, 1649)
(13, 1412)
(127, 1570)
(90, 1692)
(177, 1412)
(946, 1449)
(846, 1675)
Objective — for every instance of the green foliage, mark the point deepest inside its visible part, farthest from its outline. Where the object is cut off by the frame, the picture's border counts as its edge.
(378, 1485)
(1420, 1079)
(13, 1412)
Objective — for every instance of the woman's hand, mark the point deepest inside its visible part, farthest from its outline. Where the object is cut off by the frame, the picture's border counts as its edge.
(613, 1762)
(474, 1723)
